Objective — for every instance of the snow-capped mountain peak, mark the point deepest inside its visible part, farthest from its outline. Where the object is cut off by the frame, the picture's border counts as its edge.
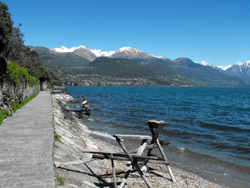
(245, 64)
(64, 49)
(204, 63)
(61, 49)
(99, 53)
(239, 64)
(225, 67)
(129, 49)
(91, 54)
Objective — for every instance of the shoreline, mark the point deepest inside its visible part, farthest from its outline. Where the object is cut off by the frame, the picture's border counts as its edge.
(76, 137)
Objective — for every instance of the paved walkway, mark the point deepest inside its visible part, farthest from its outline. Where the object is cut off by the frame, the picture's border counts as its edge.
(26, 146)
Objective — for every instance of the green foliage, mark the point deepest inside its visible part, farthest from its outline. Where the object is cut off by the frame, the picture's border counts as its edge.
(61, 180)
(57, 138)
(15, 105)
(4, 114)
(25, 57)
(40, 72)
(12, 47)
(5, 26)
(18, 75)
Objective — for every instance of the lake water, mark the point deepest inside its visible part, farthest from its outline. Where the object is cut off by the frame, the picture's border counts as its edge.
(209, 128)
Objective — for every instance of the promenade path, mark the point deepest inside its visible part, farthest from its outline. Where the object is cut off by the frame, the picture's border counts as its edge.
(26, 146)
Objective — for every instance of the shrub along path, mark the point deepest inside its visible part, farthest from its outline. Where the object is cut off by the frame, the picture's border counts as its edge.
(26, 146)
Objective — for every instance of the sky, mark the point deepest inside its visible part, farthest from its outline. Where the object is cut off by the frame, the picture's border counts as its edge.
(217, 31)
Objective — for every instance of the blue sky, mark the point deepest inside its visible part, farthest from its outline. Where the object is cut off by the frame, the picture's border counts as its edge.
(217, 31)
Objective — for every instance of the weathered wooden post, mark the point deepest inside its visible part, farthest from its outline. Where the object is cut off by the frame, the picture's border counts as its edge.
(155, 128)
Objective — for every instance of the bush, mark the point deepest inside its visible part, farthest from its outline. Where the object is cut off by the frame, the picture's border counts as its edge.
(17, 75)
(61, 180)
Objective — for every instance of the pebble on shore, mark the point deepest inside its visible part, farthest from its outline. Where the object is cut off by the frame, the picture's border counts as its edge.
(75, 169)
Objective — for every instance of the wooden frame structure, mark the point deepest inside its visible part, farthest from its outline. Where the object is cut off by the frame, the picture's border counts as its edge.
(138, 155)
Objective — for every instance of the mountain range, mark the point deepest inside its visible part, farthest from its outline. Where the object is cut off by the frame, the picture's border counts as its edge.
(91, 54)
(241, 70)
(79, 63)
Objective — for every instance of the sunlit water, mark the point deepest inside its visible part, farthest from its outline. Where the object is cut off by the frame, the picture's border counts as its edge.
(211, 125)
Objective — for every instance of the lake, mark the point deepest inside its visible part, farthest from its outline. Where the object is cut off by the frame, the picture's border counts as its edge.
(209, 128)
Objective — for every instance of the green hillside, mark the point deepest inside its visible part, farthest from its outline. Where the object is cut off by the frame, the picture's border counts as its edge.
(53, 59)
(118, 68)
(158, 67)
(109, 71)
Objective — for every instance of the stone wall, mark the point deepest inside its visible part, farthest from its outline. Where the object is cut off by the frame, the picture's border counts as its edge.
(10, 93)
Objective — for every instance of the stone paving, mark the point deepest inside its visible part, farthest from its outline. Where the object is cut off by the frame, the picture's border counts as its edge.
(26, 146)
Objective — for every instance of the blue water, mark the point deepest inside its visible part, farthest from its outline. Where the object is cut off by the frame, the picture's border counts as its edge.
(211, 122)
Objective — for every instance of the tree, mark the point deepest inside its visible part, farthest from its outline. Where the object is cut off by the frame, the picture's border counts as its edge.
(5, 26)
(15, 49)
(3, 67)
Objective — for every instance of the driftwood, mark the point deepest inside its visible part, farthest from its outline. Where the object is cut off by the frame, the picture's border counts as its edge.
(133, 162)
(135, 157)
(121, 136)
(62, 164)
(138, 155)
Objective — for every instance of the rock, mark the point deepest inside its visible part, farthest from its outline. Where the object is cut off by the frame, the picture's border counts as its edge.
(10, 93)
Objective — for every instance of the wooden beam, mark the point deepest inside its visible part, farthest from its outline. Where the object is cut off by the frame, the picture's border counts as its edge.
(133, 136)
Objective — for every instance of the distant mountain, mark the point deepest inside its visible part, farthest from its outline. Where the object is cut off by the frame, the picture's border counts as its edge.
(54, 59)
(130, 65)
(224, 68)
(204, 76)
(130, 53)
(241, 70)
(116, 71)
(91, 54)
(159, 67)
(204, 63)
(83, 51)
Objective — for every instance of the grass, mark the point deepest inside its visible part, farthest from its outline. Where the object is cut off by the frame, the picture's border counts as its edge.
(4, 114)
(57, 137)
(14, 107)
(61, 180)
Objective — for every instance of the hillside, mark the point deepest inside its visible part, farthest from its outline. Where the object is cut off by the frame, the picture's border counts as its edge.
(204, 76)
(113, 71)
(54, 59)
(161, 68)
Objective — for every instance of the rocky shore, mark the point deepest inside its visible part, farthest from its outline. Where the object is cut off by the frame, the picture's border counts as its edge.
(73, 168)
